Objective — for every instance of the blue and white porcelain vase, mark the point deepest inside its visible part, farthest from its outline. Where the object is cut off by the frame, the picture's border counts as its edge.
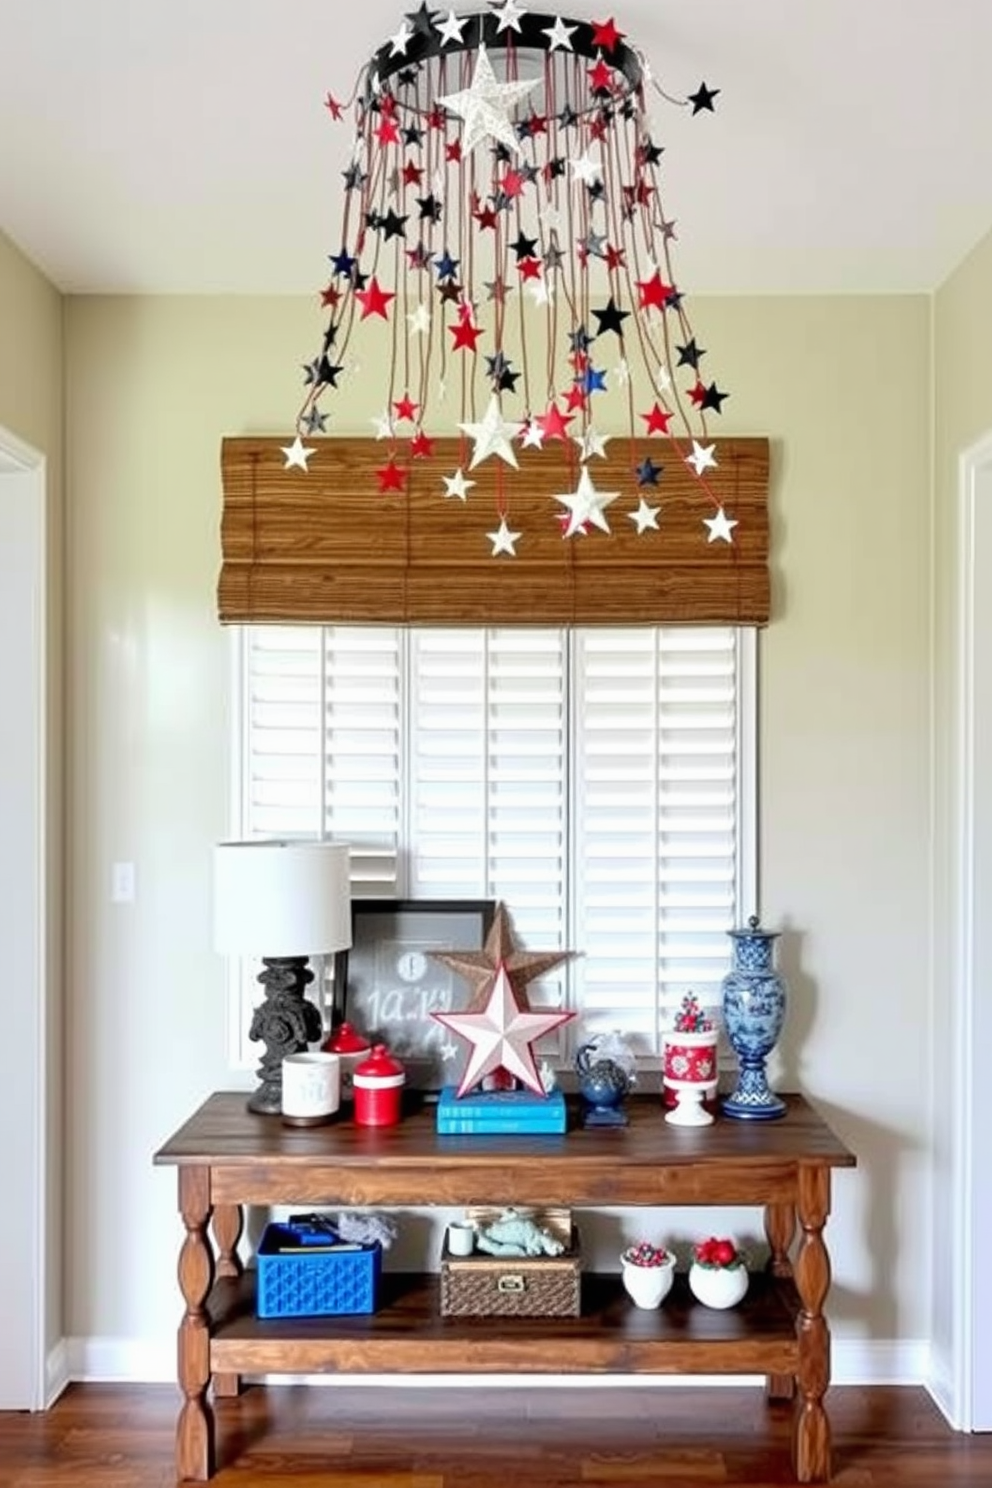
(754, 996)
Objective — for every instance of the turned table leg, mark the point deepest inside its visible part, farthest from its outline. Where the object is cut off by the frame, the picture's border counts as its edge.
(195, 1427)
(780, 1227)
(228, 1223)
(811, 1425)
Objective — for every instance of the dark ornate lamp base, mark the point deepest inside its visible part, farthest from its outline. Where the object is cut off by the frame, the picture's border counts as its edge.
(285, 1022)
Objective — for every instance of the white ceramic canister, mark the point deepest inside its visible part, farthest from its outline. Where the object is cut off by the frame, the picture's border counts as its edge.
(311, 1088)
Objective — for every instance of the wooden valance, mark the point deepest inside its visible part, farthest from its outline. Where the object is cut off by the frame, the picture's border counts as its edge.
(323, 546)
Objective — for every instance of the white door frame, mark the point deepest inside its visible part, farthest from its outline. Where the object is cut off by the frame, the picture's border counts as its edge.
(972, 1345)
(24, 987)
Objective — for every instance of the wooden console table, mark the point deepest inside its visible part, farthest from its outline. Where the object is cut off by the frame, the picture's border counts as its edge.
(228, 1157)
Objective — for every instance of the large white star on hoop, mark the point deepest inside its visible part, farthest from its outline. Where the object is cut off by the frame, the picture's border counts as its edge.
(485, 107)
(501, 1036)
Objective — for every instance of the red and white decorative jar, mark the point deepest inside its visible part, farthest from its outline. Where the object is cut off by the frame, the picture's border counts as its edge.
(379, 1082)
(690, 1071)
(352, 1048)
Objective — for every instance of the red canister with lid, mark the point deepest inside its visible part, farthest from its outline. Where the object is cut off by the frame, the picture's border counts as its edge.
(379, 1084)
(352, 1048)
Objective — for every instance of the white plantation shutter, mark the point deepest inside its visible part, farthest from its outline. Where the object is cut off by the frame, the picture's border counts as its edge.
(656, 850)
(599, 781)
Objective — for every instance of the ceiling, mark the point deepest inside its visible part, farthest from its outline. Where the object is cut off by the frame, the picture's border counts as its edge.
(177, 146)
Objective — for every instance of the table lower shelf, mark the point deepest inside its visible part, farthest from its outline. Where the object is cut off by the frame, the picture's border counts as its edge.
(408, 1335)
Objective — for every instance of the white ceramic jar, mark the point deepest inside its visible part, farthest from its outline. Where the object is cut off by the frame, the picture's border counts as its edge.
(648, 1286)
(718, 1286)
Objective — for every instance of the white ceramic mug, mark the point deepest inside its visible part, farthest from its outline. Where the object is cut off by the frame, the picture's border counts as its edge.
(311, 1088)
(461, 1238)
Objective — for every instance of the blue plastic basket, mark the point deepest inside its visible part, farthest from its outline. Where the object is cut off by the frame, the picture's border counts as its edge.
(318, 1284)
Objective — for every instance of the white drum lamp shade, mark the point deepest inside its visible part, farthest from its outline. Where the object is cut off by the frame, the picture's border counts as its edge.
(278, 899)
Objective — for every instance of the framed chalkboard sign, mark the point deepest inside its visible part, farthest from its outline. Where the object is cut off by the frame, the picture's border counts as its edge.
(388, 985)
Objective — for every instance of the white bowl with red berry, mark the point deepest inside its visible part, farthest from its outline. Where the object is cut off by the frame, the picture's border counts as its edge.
(718, 1274)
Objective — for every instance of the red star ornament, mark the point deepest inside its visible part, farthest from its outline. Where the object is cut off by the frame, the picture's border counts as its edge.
(512, 184)
(466, 335)
(654, 291)
(374, 300)
(553, 424)
(657, 420)
(333, 107)
(405, 409)
(421, 446)
(600, 77)
(605, 34)
(388, 132)
(391, 477)
(501, 1036)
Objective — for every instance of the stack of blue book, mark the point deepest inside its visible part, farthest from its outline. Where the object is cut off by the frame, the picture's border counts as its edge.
(500, 1112)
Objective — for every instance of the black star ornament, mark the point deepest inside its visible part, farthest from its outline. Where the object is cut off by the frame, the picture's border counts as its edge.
(713, 398)
(392, 226)
(703, 98)
(611, 318)
(690, 353)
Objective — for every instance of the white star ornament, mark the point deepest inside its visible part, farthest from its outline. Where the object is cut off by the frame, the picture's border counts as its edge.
(451, 28)
(501, 1036)
(420, 321)
(721, 527)
(645, 516)
(586, 504)
(509, 14)
(492, 437)
(560, 35)
(402, 39)
(586, 169)
(457, 485)
(485, 107)
(297, 454)
(703, 457)
(503, 540)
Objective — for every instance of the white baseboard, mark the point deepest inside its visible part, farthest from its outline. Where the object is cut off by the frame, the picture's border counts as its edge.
(151, 1361)
(941, 1386)
(58, 1373)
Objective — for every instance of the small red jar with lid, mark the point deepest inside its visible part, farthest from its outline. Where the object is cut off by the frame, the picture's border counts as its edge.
(379, 1084)
(352, 1048)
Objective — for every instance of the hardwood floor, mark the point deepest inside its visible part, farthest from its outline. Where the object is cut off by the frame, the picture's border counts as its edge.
(109, 1436)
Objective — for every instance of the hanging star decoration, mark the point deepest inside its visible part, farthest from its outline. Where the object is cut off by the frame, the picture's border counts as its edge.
(469, 180)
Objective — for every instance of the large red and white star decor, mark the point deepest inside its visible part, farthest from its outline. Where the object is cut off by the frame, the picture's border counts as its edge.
(501, 1036)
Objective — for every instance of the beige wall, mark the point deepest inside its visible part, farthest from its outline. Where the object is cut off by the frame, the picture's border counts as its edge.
(842, 388)
(963, 415)
(31, 409)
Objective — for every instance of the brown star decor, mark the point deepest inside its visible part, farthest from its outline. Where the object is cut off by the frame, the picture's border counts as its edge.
(480, 968)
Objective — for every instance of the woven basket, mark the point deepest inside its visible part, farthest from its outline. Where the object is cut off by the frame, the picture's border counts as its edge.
(508, 1286)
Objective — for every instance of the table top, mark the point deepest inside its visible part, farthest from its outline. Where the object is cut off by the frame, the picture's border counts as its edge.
(224, 1133)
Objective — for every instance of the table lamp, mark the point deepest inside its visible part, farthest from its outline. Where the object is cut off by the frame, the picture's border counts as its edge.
(282, 902)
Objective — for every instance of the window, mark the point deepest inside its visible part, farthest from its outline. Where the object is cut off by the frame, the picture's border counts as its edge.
(601, 782)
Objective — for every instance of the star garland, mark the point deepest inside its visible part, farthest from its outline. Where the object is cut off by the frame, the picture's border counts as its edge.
(472, 181)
